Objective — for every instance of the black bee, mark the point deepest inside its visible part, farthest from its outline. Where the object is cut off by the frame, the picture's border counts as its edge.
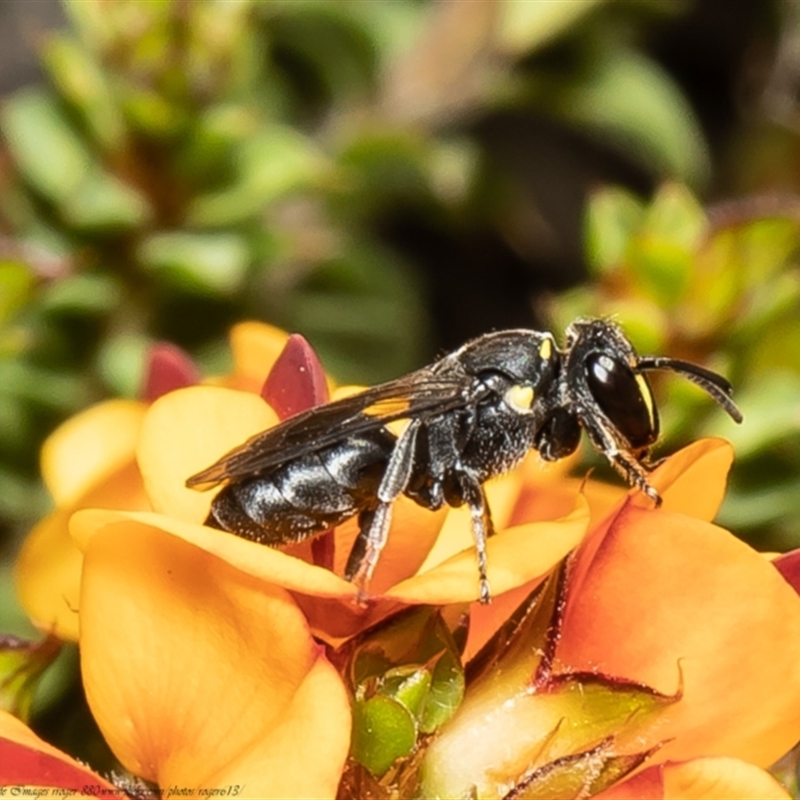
(472, 415)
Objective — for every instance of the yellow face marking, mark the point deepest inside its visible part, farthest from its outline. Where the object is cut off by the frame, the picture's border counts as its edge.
(519, 398)
(647, 396)
(546, 349)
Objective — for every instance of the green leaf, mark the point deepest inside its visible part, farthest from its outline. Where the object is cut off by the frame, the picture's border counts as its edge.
(773, 396)
(445, 693)
(85, 293)
(279, 162)
(209, 263)
(675, 215)
(578, 776)
(16, 288)
(612, 218)
(21, 665)
(218, 131)
(409, 686)
(121, 363)
(103, 202)
(83, 83)
(383, 731)
(381, 167)
(91, 21)
(637, 105)
(663, 254)
(151, 113)
(48, 154)
(412, 661)
(48, 388)
(526, 26)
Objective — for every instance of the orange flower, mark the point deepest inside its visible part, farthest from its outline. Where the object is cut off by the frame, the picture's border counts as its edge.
(90, 462)
(663, 641)
(643, 665)
(429, 557)
(197, 651)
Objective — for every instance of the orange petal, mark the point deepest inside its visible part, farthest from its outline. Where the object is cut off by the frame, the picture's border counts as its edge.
(514, 557)
(692, 481)
(664, 596)
(699, 779)
(413, 533)
(257, 560)
(187, 430)
(456, 533)
(26, 760)
(304, 754)
(48, 569)
(89, 446)
(720, 779)
(255, 347)
(553, 500)
(200, 676)
(48, 573)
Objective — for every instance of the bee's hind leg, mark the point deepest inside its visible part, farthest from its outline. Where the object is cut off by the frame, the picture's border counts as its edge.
(372, 535)
(482, 529)
(374, 522)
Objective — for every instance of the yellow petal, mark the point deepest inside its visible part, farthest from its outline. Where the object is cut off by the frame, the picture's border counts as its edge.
(456, 533)
(255, 346)
(515, 557)
(200, 676)
(89, 446)
(48, 568)
(304, 754)
(48, 573)
(187, 430)
(699, 779)
(257, 560)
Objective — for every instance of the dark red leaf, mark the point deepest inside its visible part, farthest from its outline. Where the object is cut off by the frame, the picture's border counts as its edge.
(788, 565)
(296, 381)
(168, 368)
(22, 765)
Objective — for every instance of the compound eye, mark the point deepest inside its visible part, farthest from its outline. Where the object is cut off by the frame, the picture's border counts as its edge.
(624, 397)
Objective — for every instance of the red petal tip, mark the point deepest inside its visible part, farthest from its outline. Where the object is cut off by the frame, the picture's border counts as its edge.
(168, 368)
(296, 381)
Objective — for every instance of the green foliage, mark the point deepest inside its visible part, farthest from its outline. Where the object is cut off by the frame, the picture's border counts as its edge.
(719, 288)
(407, 680)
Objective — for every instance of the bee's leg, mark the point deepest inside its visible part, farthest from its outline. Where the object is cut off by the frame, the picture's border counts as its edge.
(482, 528)
(622, 460)
(375, 522)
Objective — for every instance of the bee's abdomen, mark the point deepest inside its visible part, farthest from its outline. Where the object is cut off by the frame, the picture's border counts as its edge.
(307, 495)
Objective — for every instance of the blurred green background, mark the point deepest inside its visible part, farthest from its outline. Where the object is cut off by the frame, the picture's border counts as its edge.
(390, 178)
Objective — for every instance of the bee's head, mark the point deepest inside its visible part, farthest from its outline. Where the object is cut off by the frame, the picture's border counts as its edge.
(606, 385)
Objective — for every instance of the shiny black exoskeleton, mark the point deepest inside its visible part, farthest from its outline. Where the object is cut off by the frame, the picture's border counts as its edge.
(471, 415)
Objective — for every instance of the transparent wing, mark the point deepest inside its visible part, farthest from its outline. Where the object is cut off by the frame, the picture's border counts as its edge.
(319, 427)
